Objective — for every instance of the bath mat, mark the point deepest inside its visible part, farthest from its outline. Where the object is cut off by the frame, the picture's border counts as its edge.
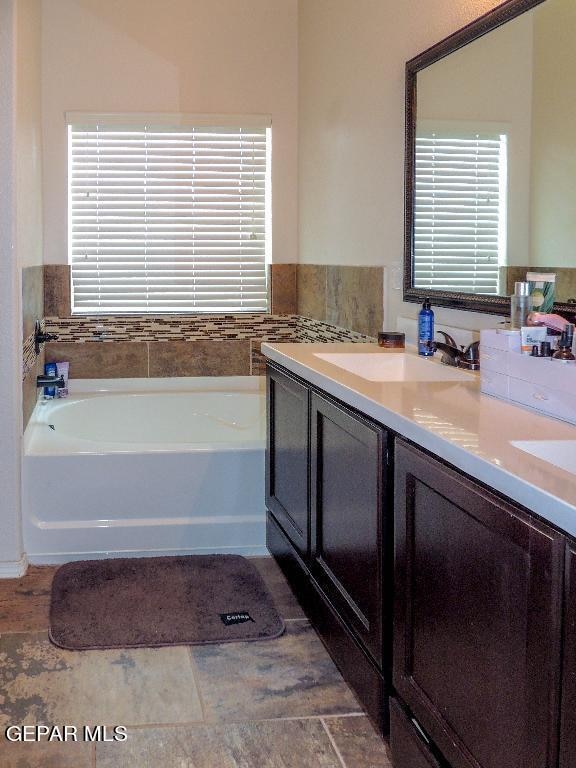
(157, 601)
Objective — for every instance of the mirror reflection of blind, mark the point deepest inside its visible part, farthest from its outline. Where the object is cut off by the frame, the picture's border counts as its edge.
(460, 212)
(167, 219)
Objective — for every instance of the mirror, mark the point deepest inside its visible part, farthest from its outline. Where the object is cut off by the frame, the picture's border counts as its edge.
(491, 159)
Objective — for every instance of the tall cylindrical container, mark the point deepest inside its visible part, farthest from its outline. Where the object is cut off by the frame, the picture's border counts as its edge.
(426, 329)
(520, 305)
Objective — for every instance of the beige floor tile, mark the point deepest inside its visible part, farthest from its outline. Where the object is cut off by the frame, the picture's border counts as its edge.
(40, 683)
(286, 602)
(25, 602)
(359, 743)
(43, 755)
(292, 676)
(271, 744)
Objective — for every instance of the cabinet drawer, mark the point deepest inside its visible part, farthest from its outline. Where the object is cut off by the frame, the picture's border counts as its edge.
(409, 750)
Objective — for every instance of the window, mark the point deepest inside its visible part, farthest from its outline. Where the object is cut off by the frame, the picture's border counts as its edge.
(168, 218)
(460, 211)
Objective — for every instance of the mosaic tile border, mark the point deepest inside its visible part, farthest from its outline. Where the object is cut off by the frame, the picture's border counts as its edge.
(254, 328)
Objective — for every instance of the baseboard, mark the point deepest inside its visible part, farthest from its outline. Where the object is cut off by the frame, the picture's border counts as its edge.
(55, 558)
(14, 569)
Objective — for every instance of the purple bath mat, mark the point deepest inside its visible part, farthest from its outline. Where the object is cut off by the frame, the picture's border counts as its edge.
(157, 601)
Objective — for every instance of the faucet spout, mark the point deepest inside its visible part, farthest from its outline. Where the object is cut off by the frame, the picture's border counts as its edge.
(50, 381)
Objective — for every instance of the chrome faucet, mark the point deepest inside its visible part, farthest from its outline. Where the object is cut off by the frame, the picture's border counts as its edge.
(50, 381)
(461, 357)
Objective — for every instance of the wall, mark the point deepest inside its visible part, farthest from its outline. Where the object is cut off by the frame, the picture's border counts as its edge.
(198, 56)
(29, 185)
(351, 130)
(554, 137)
(19, 246)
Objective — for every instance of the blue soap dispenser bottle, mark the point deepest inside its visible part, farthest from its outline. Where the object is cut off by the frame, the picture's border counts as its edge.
(426, 329)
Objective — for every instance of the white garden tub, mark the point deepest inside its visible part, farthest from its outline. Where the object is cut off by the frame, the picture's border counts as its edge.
(146, 466)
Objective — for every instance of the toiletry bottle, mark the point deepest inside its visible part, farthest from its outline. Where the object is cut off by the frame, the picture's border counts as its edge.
(426, 329)
(520, 305)
(50, 370)
(564, 352)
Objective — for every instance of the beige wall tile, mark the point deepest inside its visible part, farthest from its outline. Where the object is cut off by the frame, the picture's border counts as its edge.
(32, 298)
(57, 299)
(354, 298)
(283, 289)
(101, 360)
(312, 290)
(200, 358)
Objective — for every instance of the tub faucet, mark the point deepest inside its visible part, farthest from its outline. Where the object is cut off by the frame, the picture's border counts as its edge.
(41, 337)
(463, 357)
(50, 381)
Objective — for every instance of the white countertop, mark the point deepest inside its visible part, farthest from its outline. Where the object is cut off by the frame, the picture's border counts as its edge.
(456, 422)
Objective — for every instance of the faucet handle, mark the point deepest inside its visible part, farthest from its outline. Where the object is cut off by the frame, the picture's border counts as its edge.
(448, 339)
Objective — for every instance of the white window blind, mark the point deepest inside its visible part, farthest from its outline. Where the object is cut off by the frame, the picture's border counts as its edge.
(165, 219)
(460, 212)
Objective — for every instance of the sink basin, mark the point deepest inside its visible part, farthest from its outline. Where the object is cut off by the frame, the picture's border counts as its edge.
(561, 453)
(386, 366)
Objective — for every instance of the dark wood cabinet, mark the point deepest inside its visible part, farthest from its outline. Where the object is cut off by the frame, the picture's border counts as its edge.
(481, 651)
(347, 504)
(287, 456)
(327, 531)
(409, 750)
(477, 620)
(568, 719)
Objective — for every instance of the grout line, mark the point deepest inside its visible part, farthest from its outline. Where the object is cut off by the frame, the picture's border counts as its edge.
(334, 745)
(218, 723)
(195, 677)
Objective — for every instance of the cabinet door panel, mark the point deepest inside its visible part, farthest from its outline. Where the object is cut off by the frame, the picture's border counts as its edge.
(568, 728)
(287, 456)
(347, 499)
(477, 618)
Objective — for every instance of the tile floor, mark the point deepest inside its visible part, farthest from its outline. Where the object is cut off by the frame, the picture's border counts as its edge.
(272, 704)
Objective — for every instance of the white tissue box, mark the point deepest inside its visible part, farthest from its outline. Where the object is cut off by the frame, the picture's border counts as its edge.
(546, 385)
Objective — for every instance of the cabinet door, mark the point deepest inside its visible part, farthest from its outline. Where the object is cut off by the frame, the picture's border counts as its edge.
(477, 619)
(287, 456)
(347, 487)
(568, 727)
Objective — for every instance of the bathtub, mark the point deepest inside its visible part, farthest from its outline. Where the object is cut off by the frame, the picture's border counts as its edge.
(133, 467)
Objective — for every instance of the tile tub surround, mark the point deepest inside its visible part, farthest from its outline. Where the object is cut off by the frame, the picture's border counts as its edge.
(347, 297)
(175, 702)
(32, 309)
(282, 288)
(335, 303)
(208, 345)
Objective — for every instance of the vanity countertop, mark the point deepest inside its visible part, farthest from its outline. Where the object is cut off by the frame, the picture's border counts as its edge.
(453, 420)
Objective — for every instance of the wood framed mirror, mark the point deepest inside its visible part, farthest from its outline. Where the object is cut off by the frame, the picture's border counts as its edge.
(490, 164)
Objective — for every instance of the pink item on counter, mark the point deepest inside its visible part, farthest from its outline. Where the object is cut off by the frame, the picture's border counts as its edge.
(554, 322)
